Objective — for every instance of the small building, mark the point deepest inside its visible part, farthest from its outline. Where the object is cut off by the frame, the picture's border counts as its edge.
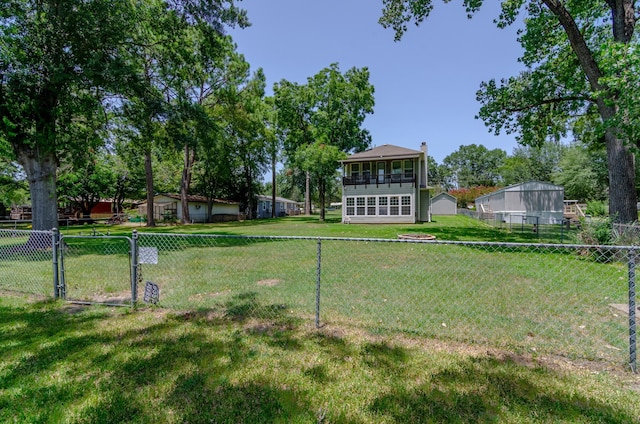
(284, 207)
(444, 204)
(169, 206)
(533, 202)
(386, 184)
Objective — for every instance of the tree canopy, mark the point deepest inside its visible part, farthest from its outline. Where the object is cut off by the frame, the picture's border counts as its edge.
(573, 83)
(64, 64)
(327, 111)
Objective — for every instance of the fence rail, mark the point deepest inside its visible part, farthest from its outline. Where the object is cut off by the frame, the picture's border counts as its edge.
(548, 299)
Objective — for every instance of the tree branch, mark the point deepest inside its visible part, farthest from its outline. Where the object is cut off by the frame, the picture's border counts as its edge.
(551, 101)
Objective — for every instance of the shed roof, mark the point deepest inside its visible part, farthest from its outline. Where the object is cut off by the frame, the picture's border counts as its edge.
(444, 194)
(198, 199)
(527, 186)
(386, 151)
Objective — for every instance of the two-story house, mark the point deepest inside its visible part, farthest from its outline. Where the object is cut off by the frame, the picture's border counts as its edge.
(386, 184)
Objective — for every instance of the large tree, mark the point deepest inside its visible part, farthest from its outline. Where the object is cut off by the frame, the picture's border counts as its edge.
(59, 62)
(571, 83)
(330, 110)
(56, 59)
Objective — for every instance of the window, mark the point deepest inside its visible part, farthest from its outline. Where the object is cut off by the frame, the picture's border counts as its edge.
(383, 203)
(381, 171)
(360, 206)
(350, 206)
(396, 167)
(366, 171)
(379, 205)
(394, 202)
(406, 205)
(355, 169)
(371, 206)
(408, 168)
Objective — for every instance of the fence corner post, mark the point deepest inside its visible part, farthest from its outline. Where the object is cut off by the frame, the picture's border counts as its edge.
(134, 268)
(318, 268)
(632, 311)
(54, 254)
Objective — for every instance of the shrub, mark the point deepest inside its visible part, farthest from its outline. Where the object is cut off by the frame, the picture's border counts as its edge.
(596, 208)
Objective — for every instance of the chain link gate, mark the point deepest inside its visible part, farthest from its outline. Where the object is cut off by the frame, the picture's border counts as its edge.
(97, 270)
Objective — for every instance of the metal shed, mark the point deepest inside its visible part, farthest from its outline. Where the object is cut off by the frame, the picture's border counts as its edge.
(444, 204)
(534, 202)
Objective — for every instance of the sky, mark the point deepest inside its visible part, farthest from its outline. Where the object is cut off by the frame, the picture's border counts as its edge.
(425, 84)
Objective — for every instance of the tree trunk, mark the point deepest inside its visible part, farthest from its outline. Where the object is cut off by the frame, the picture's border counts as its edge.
(622, 186)
(321, 195)
(185, 183)
(41, 174)
(273, 186)
(151, 220)
(307, 194)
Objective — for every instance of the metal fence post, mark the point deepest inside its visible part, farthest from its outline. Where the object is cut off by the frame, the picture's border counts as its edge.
(134, 267)
(632, 310)
(54, 254)
(318, 283)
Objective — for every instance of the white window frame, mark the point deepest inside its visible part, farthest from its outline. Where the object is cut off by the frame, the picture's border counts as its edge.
(380, 205)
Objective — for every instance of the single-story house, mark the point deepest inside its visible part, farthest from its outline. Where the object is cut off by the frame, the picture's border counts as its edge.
(284, 207)
(444, 204)
(386, 184)
(169, 205)
(533, 202)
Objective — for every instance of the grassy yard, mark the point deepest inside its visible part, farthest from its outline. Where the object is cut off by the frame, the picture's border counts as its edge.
(77, 364)
(458, 228)
(237, 341)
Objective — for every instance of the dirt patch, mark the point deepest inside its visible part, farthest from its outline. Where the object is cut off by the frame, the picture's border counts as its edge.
(623, 308)
(269, 283)
(416, 237)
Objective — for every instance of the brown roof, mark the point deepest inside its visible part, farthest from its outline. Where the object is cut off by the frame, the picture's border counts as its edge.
(386, 151)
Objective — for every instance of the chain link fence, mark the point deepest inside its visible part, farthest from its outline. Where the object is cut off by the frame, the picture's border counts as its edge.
(27, 263)
(543, 299)
(96, 269)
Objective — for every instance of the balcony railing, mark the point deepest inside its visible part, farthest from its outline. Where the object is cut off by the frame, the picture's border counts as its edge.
(380, 179)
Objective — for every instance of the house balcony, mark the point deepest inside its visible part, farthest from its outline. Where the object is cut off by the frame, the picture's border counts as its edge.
(378, 180)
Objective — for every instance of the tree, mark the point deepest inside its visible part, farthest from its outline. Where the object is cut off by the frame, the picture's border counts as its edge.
(87, 180)
(330, 109)
(62, 60)
(57, 59)
(320, 161)
(475, 165)
(529, 163)
(583, 173)
(571, 83)
(175, 50)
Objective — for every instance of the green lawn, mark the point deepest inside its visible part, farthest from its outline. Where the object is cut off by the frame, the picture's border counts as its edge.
(409, 333)
(459, 227)
(65, 363)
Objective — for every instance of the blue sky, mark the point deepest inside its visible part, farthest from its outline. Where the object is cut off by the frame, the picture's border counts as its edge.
(425, 84)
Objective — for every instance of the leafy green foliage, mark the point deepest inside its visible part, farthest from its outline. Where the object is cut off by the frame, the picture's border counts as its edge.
(474, 165)
(582, 71)
(583, 173)
(327, 111)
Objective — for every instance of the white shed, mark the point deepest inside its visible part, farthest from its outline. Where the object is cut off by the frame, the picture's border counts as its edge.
(534, 201)
(169, 205)
(444, 204)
